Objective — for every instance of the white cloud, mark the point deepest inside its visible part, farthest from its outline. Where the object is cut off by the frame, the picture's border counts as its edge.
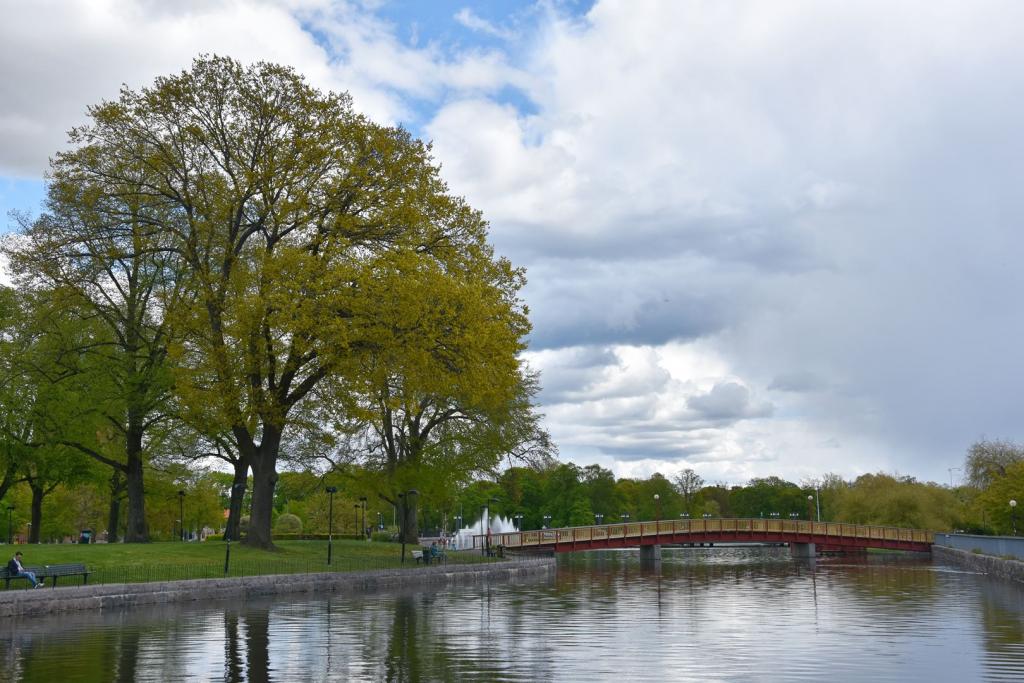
(100, 45)
(823, 195)
(811, 207)
(727, 400)
(475, 22)
(675, 405)
(59, 57)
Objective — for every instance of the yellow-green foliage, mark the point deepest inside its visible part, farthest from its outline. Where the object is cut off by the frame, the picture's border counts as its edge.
(992, 504)
(288, 523)
(886, 500)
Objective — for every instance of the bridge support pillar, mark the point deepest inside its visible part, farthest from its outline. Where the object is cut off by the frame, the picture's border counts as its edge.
(801, 549)
(650, 553)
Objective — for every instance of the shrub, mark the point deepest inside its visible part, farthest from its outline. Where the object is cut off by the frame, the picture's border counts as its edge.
(288, 524)
(314, 537)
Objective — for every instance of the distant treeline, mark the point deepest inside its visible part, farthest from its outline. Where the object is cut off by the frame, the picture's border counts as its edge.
(562, 494)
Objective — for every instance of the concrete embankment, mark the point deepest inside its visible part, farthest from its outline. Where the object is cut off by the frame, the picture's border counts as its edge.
(122, 595)
(989, 564)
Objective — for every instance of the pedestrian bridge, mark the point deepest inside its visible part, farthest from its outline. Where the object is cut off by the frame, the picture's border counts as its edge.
(825, 536)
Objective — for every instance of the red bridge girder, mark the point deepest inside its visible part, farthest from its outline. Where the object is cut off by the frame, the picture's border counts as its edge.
(833, 535)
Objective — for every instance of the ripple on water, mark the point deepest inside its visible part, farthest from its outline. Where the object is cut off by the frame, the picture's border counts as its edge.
(736, 614)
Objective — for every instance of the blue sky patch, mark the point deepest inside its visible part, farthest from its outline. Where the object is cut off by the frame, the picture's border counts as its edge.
(19, 194)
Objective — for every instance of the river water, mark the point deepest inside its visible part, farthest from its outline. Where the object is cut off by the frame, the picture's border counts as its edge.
(703, 614)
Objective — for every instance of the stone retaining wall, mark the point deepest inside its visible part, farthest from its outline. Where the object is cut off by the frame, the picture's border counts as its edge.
(989, 564)
(117, 596)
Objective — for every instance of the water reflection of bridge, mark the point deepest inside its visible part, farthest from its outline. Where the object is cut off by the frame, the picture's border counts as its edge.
(803, 536)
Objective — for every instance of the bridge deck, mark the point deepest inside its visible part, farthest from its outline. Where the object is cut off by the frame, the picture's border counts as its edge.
(832, 534)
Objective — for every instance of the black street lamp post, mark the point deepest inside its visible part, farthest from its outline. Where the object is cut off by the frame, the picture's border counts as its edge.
(625, 517)
(10, 529)
(181, 515)
(598, 517)
(331, 490)
(380, 521)
(547, 521)
(519, 520)
(362, 527)
(657, 504)
(1013, 515)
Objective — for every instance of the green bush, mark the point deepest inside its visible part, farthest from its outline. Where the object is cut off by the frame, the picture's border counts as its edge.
(314, 537)
(306, 537)
(288, 524)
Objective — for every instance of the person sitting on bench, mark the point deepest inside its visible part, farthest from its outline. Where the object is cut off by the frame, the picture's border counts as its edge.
(16, 569)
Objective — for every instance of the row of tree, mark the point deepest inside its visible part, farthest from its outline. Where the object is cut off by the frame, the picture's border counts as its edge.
(234, 265)
(555, 494)
(569, 495)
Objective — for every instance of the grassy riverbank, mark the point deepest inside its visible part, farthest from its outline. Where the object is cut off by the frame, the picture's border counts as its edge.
(119, 562)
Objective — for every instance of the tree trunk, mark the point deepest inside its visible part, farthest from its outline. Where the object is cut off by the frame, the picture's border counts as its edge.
(114, 515)
(137, 531)
(233, 654)
(409, 530)
(8, 478)
(127, 645)
(257, 644)
(37, 513)
(264, 480)
(238, 486)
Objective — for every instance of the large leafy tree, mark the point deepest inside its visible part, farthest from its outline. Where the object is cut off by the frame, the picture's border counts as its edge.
(688, 483)
(45, 396)
(602, 492)
(100, 250)
(763, 496)
(988, 460)
(280, 208)
(439, 394)
(12, 448)
(889, 500)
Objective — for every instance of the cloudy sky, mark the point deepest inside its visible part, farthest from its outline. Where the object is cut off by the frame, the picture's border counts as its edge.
(761, 237)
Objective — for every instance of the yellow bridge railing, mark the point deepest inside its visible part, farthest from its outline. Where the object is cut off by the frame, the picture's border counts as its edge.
(676, 527)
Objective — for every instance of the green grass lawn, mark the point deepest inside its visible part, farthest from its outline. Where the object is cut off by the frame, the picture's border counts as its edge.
(121, 562)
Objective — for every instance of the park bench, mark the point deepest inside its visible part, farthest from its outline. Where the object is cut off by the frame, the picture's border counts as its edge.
(55, 571)
(423, 555)
(51, 572)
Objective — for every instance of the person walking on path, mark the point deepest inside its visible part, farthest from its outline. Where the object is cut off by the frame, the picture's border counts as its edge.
(18, 570)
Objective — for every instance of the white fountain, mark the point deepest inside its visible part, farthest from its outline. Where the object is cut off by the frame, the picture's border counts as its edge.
(463, 538)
